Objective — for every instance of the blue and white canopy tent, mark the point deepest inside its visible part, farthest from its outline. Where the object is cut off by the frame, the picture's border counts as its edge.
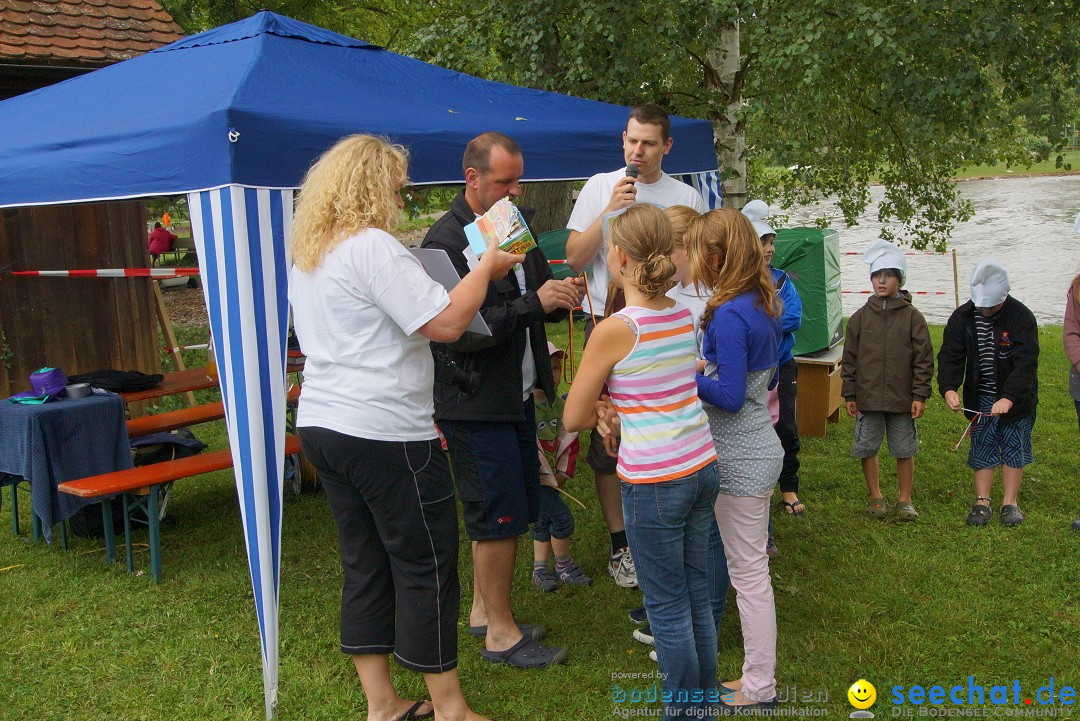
(250, 106)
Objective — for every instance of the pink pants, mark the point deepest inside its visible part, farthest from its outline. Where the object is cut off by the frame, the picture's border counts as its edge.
(744, 526)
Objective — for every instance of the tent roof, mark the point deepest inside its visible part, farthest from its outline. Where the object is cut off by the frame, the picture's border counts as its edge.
(255, 102)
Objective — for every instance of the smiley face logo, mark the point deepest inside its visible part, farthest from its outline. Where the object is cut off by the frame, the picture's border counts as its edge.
(862, 694)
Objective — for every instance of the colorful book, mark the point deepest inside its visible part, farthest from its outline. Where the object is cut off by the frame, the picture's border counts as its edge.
(504, 223)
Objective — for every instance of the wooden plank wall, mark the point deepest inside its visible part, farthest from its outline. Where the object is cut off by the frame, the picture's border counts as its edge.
(78, 324)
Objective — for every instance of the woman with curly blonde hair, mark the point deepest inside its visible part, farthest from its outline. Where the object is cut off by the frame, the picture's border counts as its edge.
(741, 335)
(364, 311)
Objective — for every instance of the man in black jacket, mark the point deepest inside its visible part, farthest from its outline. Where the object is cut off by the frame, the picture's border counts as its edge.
(483, 401)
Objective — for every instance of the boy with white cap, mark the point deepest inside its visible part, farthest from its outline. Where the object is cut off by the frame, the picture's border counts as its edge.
(991, 348)
(887, 370)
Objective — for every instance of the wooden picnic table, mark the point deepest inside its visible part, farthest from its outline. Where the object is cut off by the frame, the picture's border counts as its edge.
(192, 379)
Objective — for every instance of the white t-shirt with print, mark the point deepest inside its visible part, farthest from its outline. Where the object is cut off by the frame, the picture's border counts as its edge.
(368, 374)
(591, 202)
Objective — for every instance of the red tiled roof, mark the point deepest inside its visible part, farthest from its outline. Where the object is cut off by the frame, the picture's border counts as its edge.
(82, 32)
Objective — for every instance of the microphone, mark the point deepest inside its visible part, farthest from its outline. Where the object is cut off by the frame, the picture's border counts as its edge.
(631, 171)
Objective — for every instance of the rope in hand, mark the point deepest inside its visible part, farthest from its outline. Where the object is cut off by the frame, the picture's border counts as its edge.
(971, 426)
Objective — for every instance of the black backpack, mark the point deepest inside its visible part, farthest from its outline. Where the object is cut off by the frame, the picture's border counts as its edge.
(153, 448)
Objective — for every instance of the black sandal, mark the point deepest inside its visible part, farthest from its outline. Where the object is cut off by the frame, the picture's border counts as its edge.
(790, 507)
(979, 515)
(527, 653)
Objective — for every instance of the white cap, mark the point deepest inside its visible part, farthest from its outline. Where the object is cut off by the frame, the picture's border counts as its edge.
(882, 254)
(989, 284)
(757, 211)
(554, 349)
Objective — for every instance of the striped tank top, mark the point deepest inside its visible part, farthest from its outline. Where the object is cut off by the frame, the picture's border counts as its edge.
(665, 433)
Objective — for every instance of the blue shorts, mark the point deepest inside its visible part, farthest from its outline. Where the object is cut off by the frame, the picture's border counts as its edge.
(497, 472)
(994, 443)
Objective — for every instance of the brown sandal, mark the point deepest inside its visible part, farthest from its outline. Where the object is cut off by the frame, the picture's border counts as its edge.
(877, 508)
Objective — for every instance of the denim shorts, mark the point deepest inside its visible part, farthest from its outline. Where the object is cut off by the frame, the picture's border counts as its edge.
(497, 472)
(872, 426)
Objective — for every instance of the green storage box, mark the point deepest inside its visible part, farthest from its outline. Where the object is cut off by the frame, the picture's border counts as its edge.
(553, 243)
(811, 257)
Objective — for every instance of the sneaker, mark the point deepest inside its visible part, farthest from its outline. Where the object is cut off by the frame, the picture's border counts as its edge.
(652, 655)
(572, 575)
(621, 567)
(638, 615)
(1011, 516)
(771, 549)
(1075, 526)
(545, 580)
(644, 635)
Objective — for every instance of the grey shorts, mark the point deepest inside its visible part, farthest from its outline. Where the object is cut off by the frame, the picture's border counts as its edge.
(872, 426)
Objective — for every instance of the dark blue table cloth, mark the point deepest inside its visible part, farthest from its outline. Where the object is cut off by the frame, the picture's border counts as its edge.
(61, 441)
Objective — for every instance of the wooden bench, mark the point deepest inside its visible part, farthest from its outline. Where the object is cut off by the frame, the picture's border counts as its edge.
(171, 420)
(139, 490)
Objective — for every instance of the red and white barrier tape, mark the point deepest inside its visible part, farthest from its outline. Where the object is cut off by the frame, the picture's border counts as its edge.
(907, 252)
(913, 292)
(157, 273)
(177, 349)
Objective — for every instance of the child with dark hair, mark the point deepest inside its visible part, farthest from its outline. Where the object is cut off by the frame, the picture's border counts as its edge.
(887, 370)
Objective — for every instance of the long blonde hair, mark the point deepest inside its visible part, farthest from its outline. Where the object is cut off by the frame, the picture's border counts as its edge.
(680, 216)
(353, 186)
(728, 237)
(643, 232)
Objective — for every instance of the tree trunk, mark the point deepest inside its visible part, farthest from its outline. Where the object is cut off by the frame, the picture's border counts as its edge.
(724, 76)
(552, 202)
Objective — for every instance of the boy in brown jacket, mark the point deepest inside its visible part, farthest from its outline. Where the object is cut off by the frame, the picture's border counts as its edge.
(887, 368)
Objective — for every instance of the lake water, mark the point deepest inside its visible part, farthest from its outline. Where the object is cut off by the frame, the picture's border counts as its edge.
(1025, 223)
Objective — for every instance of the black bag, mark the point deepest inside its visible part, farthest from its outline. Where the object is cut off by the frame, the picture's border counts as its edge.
(119, 381)
(153, 448)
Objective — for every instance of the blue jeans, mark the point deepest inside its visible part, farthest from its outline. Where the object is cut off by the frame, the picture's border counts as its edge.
(555, 518)
(668, 526)
(719, 581)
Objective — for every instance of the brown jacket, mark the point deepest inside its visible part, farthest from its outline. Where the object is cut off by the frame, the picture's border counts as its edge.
(888, 358)
(1072, 339)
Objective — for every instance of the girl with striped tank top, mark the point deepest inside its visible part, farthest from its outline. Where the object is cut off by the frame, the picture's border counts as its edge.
(667, 464)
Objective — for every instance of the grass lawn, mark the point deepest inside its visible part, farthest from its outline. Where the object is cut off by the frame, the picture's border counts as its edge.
(926, 603)
(1046, 167)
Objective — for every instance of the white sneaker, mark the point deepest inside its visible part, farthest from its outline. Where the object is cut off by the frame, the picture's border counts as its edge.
(621, 567)
(652, 655)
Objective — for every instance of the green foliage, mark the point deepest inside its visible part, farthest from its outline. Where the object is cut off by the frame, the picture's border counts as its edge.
(6, 353)
(175, 204)
(840, 92)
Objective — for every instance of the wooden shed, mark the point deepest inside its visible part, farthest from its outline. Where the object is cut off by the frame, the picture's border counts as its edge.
(78, 324)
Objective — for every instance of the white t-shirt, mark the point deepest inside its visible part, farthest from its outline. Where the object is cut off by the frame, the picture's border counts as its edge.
(694, 298)
(528, 363)
(591, 202)
(368, 373)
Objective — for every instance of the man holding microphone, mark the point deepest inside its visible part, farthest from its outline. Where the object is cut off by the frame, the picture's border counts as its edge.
(646, 141)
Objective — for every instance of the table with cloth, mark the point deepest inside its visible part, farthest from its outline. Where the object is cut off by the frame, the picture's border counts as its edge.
(63, 440)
